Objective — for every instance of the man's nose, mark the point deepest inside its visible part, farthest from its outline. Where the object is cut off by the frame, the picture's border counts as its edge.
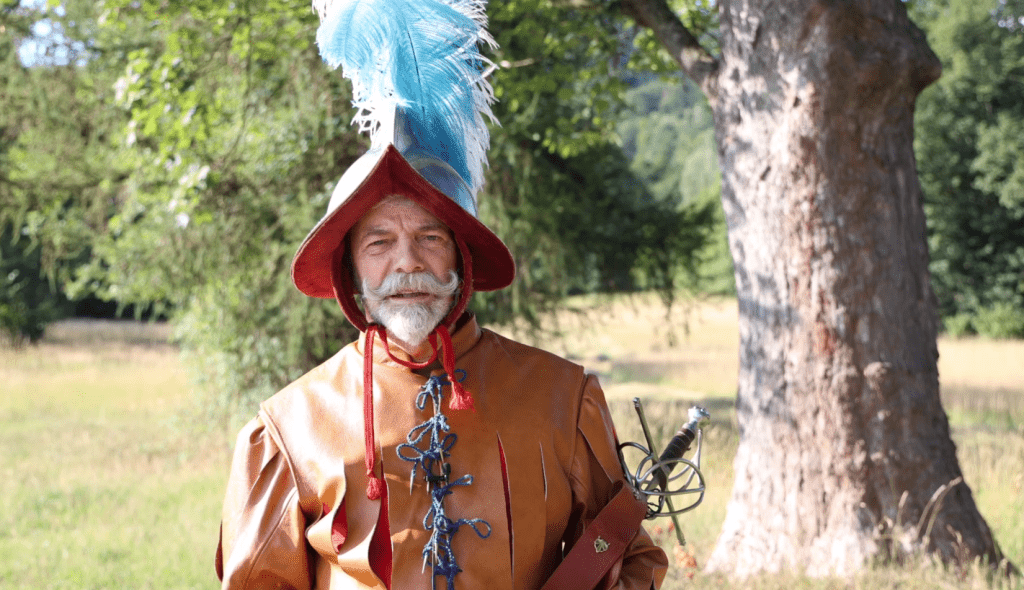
(409, 258)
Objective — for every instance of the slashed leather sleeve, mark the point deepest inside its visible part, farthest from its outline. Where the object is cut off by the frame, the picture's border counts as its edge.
(595, 468)
(262, 541)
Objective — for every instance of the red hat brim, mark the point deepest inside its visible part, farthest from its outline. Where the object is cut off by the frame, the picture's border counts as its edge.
(493, 267)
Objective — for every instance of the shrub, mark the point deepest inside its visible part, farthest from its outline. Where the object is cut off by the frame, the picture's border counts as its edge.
(1000, 320)
(959, 325)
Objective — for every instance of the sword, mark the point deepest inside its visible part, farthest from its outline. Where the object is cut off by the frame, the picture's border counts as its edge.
(653, 478)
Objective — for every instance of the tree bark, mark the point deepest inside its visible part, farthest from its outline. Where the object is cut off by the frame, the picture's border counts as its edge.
(845, 452)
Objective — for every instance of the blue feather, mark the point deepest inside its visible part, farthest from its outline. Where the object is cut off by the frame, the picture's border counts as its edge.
(422, 57)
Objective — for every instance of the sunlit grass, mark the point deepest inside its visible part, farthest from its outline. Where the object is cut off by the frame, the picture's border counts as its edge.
(638, 349)
(112, 478)
(102, 485)
(981, 363)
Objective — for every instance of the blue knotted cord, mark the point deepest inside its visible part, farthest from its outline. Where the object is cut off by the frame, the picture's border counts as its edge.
(432, 461)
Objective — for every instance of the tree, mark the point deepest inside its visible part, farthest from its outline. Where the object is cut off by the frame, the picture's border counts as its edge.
(56, 170)
(845, 452)
(971, 159)
(232, 137)
(28, 301)
(669, 136)
(559, 190)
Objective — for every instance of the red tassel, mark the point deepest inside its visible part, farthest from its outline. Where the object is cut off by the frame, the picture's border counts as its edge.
(461, 400)
(374, 487)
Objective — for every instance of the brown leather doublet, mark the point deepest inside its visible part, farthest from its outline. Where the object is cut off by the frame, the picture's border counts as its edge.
(539, 446)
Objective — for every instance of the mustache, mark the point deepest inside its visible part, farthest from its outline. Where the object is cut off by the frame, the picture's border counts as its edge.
(418, 282)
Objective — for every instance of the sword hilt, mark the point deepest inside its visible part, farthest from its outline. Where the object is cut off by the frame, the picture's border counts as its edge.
(653, 478)
(680, 444)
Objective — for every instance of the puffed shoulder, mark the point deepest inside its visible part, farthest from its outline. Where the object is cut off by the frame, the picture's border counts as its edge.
(254, 450)
(595, 425)
(254, 447)
(261, 517)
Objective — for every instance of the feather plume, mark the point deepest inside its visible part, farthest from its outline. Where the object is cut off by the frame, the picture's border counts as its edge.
(420, 57)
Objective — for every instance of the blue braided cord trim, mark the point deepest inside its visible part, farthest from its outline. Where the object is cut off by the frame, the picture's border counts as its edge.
(432, 460)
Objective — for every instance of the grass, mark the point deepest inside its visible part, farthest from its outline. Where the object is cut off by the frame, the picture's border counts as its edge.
(109, 477)
(102, 484)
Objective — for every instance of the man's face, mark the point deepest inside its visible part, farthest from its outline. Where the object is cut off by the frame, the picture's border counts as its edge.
(405, 259)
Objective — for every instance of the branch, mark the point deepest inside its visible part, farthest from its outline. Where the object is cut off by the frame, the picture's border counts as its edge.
(691, 56)
(556, 161)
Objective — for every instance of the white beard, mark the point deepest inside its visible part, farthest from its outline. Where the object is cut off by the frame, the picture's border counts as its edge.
(410, 322)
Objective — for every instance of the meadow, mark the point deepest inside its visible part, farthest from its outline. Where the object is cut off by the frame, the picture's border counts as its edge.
(112, 472)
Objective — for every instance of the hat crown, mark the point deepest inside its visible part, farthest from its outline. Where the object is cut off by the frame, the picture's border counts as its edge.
(395, 130)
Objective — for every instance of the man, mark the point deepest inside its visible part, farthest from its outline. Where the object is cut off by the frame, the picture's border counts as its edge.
(431, 451)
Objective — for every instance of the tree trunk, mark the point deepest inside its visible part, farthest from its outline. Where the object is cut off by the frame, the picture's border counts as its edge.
(845, 452)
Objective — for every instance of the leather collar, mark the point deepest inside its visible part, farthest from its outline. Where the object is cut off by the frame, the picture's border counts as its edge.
(466, 335)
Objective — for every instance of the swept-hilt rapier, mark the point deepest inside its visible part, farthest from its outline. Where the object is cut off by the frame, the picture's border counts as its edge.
(654, 479)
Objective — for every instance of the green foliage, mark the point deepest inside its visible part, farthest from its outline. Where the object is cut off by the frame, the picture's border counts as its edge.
(27, 299)
(1009, 14)
(958, 325)
(584, 225)
(556, 85)
(204, 139)
(57, 176)
(561, 195)
(699, 16)
(559, 192)
(970, 153)
(669, 133)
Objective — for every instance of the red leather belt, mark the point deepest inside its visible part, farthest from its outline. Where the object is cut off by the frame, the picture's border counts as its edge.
(602, 544)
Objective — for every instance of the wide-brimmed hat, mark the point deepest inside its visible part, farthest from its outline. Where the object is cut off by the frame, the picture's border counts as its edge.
(378, 174)
(399, 167)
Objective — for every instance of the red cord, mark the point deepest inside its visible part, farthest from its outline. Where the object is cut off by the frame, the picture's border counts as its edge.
(374, 485)
(461, 399)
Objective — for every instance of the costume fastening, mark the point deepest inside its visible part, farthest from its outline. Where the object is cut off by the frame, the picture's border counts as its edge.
(432, 460)
(461, 399)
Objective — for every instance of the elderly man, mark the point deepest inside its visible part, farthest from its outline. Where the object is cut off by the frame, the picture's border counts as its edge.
(431, 451)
